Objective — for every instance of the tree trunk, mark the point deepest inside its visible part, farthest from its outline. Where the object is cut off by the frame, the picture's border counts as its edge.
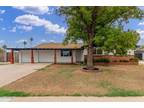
(90, 58)
(90, 64)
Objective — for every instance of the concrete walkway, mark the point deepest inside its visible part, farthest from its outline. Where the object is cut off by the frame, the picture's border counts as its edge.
(13, 72)
(72, 99)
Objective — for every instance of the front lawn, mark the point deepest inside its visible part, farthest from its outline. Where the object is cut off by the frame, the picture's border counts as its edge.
(70, 80)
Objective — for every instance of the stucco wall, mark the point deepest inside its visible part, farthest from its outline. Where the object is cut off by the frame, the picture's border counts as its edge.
(47, 56)
(79, 55)
(61, 59)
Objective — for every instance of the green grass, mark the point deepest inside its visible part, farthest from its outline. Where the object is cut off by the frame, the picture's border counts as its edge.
(12, 93)
(113, 91)
(121, 92)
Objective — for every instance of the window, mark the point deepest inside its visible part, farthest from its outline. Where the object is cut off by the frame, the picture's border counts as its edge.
(66, 53)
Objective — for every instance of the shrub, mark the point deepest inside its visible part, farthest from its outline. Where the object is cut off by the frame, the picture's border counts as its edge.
(134, 59)
(103, 60)
(115, 61)
(124, 61)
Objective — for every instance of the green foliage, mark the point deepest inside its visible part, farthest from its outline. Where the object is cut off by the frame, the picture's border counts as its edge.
(102, 60)
(96, 20)
(118, 41)
(12, 93)
(102, 26)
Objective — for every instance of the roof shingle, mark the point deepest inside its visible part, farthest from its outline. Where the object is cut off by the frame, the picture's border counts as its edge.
(59, 46)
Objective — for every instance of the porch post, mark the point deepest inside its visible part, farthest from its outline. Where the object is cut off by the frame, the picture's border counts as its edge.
(55, 57)
(72, 56)
(32, 57)
(12, 57)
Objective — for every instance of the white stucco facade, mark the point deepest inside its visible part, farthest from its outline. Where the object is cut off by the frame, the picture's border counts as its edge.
(47, 56)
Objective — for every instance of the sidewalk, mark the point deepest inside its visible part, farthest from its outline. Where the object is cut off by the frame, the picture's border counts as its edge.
(72, 99)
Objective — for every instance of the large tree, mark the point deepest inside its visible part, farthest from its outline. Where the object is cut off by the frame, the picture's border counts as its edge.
(117, 41)
(85, 23)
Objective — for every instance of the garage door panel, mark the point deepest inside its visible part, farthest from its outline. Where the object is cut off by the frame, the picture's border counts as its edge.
(46, 56)
(26, 56)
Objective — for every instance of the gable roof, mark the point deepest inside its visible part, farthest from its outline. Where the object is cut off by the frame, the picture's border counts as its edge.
(59, 46)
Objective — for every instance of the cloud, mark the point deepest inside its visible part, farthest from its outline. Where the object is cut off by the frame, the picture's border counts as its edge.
(21, 41)
(141, 32)
(2, 42)
(13, 29)
(52, 41)
(3, 28)
(2, 11)
(141, 23)
(37, 10)
(32, 20)
(43, 40)
(25, 28)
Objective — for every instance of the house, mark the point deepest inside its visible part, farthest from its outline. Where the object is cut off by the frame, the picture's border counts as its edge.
(48, 53)
(53, 53)
(139, 53)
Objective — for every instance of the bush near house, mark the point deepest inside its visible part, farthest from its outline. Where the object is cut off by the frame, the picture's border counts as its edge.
(104, 60)
(114, 60)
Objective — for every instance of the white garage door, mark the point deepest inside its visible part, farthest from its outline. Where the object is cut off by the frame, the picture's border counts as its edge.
(46, 56)
(25, 56)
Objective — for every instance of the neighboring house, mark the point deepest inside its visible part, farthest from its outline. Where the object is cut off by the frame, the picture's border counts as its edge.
(52, 53)
(139, 53)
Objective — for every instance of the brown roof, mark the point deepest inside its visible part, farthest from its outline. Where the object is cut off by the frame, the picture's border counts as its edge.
(59, 46)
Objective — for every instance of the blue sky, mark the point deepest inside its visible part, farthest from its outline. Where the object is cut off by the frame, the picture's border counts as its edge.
(42, 23)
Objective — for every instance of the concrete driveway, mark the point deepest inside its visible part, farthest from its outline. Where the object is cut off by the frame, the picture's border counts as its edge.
(13, 72)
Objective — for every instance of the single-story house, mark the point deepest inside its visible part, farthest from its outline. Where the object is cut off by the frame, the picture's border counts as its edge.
(48, 52)
(52, 53)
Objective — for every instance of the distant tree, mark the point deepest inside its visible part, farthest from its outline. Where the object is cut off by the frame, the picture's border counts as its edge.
(4, 46)
(24, 43)
(31, 40)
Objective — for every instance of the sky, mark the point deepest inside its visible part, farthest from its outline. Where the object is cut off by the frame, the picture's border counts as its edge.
(43, 24)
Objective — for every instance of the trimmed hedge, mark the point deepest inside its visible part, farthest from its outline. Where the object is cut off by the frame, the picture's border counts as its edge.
(134, 59)
(102, 60)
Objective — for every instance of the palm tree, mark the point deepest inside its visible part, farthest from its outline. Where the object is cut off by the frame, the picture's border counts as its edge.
(24, 43)
(31, 40)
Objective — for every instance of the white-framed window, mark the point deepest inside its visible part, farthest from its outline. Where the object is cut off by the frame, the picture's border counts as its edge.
(66, 53)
